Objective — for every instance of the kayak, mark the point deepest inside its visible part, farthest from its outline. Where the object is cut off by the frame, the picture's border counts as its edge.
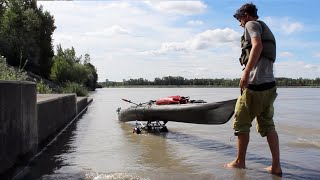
(196, 113)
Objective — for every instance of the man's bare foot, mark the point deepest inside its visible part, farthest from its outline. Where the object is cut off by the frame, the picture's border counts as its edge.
(235, 164)
(277, 172)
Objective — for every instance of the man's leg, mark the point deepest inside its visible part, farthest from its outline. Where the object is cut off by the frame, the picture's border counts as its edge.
(240, 162)
(273, 142)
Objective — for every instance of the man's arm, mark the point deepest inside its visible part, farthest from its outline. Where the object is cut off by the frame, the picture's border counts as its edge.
(253, 58)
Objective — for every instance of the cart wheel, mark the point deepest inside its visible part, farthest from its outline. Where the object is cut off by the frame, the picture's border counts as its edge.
(136, 130)
(164, 129)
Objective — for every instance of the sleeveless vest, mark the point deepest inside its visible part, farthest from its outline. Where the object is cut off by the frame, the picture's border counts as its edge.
(246, 47)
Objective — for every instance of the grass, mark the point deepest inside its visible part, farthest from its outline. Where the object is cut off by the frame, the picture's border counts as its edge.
(10, 73)
(43, 88)
(72, 87)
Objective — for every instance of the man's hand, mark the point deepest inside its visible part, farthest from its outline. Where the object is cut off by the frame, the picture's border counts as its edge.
(244, 81)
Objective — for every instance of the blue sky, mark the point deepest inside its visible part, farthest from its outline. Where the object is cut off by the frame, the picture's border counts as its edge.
(192, 39)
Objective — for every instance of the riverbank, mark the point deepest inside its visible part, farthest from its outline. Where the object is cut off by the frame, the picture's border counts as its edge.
(30, 120)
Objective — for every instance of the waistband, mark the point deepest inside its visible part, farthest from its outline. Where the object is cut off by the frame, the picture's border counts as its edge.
(270, 58)
(262, 87)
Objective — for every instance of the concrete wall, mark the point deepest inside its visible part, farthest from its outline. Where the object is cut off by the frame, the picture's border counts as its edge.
(54, 112)
(28, 119)
(82, 102)
(18, 121)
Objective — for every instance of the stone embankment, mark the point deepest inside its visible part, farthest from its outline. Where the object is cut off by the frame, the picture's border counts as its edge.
(28, 119)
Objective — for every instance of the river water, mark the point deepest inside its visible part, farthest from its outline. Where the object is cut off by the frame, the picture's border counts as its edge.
(98, 147)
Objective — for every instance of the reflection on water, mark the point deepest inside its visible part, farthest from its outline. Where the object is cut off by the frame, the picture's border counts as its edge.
(97, 146)
(305, 143)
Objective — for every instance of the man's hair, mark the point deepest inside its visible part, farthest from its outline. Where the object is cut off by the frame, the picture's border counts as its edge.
(248, 8)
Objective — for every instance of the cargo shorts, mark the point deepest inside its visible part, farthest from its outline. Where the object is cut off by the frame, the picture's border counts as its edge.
(255, 104)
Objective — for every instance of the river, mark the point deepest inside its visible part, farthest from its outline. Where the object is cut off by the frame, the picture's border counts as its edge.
(97, 146)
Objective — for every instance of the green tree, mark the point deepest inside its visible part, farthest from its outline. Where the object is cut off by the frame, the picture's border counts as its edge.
(2, 7)
(18, 31)
(79, 73)
(67, 67)
(45, 42)
(60, 71)
(68, 54)
(92, 78)
(25, 35)
(87, 59)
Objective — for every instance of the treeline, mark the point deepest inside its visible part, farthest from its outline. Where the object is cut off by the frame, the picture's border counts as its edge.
(181, 81)
(26, 42)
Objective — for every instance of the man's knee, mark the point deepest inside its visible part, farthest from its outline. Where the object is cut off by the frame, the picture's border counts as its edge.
(265, 131)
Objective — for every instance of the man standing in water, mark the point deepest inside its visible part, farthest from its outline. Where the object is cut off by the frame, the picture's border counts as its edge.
(258, 87)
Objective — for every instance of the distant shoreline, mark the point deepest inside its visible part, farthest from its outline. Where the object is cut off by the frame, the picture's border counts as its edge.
(178, 81)
(196, 86)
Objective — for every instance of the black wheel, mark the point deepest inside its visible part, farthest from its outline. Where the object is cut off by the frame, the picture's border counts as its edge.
(164, 129)
(139, 131)
(136, 130)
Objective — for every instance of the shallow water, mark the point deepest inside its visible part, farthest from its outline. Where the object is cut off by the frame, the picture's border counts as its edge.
(97, 146)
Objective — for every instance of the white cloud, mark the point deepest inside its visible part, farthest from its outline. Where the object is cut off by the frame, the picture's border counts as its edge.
(194, 23)
(316, 55)
(311, 66)
(286, 54)
(178, 7)
(292, 27)
(209, 38)
(296, 69)
(167, 47)
(284, 24)
(110, 31)
(202, 69)
(215, 38)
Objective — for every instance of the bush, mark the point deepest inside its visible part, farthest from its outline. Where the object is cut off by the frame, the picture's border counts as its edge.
(72, 87)
(8, 73)
(43, 88)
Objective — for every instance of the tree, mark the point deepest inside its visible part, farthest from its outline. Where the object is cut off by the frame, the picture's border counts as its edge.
(3, 4)
(45, 42)
(67, 67)
(92, 78)
(87, 59)
(25, 35)
(60, 71)
(18, 28)
(68, 54)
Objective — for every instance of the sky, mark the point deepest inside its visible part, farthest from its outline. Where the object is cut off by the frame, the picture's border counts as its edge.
(193, 39)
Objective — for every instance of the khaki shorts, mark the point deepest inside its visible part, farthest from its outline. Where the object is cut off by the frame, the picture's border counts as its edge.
(255, 104)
